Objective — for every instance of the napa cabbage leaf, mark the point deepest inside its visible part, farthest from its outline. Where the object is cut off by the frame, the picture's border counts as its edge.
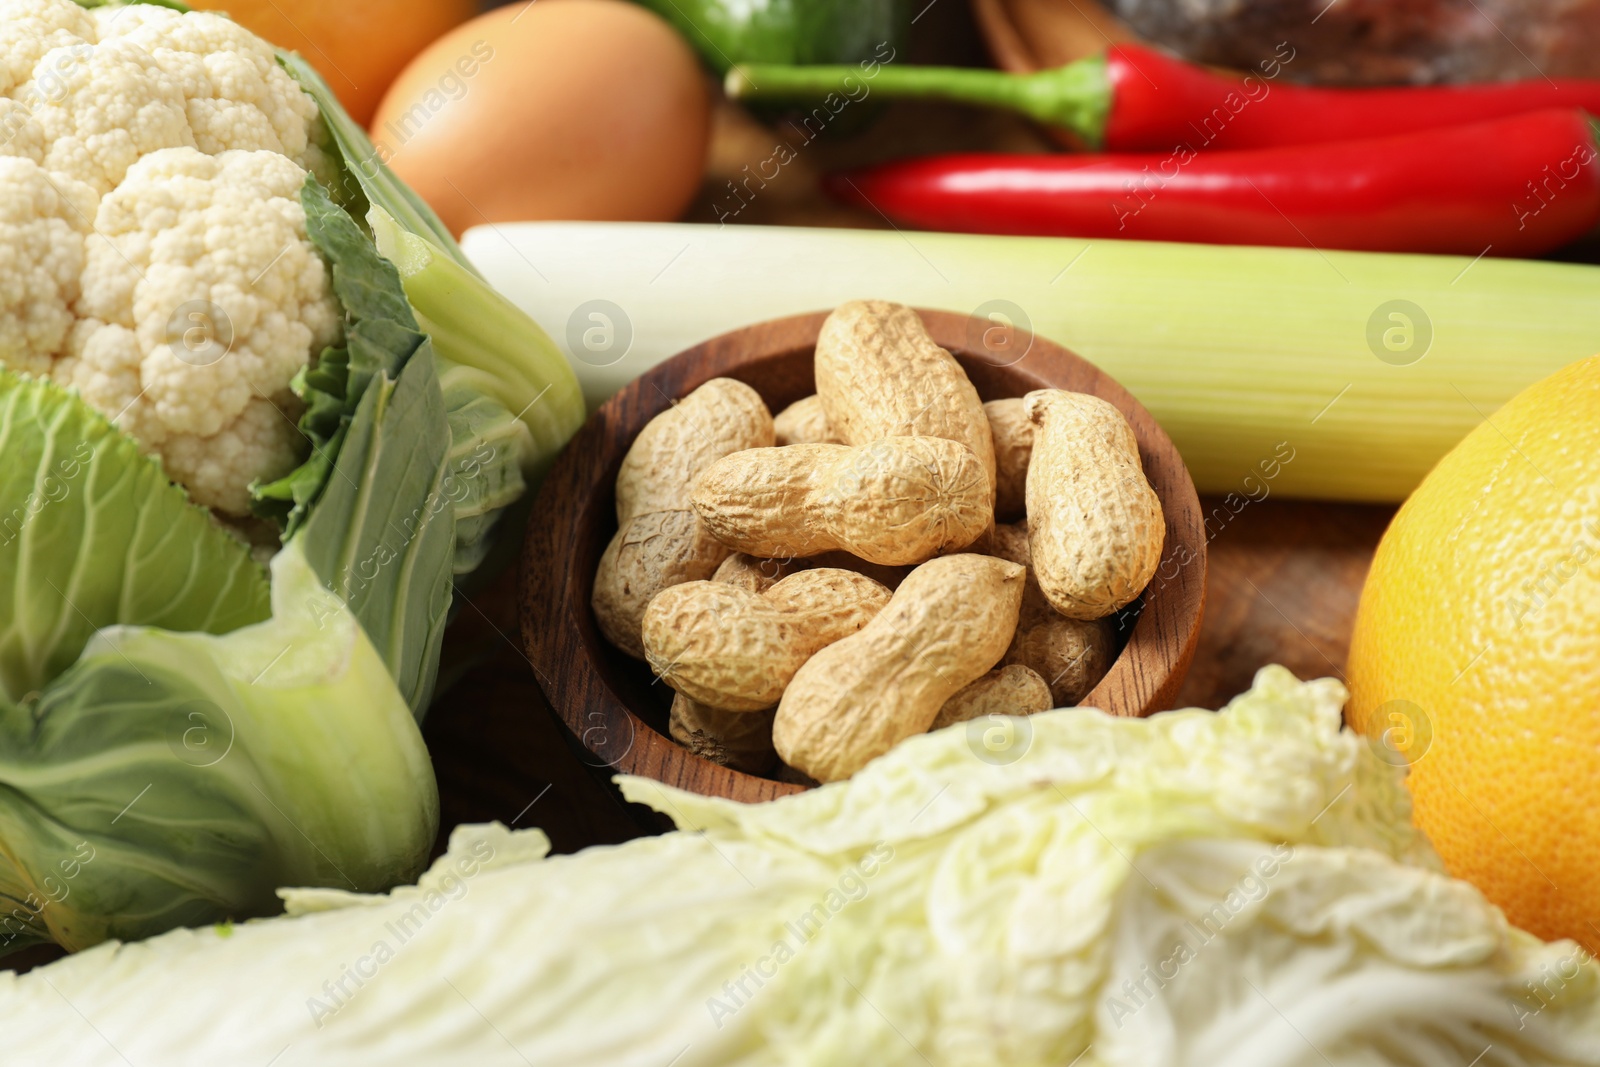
(1197, 888)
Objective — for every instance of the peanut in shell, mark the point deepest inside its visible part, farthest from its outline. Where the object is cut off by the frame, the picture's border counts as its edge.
(946, 626)
(734, 650)
(1013, 449)
(879, 374)
(659, 540)
(804, 423)
(1009, 690)
(1095, 525)
(899, 500)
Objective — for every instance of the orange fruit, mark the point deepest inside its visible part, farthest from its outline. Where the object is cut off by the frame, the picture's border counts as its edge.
(359, 46)
(1476, 655)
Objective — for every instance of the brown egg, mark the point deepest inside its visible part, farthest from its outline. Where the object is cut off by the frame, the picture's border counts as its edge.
(560, 109)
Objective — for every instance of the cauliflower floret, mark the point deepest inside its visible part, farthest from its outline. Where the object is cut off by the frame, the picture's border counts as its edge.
(263, 442)
(107, 87)
(203, 298)
(125, 18)
(30, 28)
(110, 107)
(42, 225)
(102, 363)
(21, 136)
(237, 95)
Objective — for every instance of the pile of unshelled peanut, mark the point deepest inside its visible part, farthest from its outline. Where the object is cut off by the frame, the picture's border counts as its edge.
(755, 557)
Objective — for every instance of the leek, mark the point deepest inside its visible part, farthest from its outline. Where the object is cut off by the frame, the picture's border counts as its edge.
(1363, 368)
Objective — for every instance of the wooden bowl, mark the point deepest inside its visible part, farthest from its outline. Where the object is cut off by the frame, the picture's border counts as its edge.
(617, 710)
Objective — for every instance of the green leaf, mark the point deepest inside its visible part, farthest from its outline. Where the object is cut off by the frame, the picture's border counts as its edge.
(365, 174)
(513, 400)
(476, 331)
(485, 468)
(92, 533)
(175, 779)
(382, 535)
(370, 501)
(381, 336)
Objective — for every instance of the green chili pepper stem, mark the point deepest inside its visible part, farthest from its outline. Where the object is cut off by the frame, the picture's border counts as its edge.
(1076, 97)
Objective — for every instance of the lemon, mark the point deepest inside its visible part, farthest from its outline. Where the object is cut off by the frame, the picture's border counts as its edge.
(1476, 655)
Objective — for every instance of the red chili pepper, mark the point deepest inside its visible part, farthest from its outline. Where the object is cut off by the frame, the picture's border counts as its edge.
(1158, 102)
(1139, 99)
(1512, 187)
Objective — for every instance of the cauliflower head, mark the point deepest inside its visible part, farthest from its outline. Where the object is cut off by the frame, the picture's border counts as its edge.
(202, 299)
(151, 164)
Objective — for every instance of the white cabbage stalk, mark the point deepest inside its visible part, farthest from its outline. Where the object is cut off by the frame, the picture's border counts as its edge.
(1196, 889)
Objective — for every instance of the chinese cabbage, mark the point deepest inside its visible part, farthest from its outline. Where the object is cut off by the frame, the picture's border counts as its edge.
(1010, 891)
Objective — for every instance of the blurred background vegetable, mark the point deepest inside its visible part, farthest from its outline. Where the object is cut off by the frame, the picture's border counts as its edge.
(1367, 42)
(359, 46)
(572, 109)
(726, 32)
